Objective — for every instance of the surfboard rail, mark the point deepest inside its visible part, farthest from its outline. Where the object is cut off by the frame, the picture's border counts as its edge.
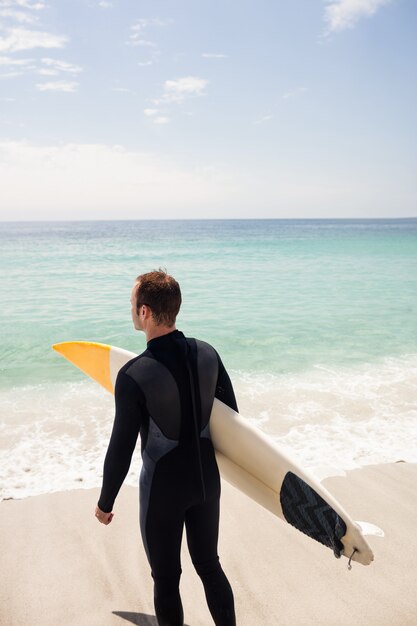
(249, 460)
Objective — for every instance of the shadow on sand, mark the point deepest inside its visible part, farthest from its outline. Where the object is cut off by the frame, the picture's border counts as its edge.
(140, 619)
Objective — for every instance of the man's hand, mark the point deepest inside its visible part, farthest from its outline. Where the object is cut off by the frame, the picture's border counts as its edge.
(103, 518)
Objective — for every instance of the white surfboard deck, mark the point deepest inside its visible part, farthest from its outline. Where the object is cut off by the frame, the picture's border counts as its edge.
(248, 458)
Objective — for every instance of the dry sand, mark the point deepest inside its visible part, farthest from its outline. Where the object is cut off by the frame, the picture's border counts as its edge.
(61, 568)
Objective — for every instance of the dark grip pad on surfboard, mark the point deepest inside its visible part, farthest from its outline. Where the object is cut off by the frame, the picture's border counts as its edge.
(304, 509)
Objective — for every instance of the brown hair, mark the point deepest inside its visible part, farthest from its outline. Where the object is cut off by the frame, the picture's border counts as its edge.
(162, 294)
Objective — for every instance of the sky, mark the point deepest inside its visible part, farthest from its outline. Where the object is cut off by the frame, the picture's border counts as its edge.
(142, 109)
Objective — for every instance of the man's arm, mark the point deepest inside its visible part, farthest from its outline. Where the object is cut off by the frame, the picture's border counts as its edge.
(224, 387)
(122, 444)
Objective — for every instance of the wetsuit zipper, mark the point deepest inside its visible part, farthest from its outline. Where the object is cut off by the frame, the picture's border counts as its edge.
(196, 426)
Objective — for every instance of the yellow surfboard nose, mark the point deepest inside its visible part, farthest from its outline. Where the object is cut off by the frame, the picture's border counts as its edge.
(91, 358)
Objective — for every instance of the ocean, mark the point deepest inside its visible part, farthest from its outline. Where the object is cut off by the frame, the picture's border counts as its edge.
(315, 320)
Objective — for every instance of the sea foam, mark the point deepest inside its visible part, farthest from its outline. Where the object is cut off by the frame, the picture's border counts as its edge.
(54, 436)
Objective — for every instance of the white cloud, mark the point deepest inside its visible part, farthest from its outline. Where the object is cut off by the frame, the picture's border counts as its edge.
(12, 10)
(213, 55)
(62, 66)
(144, 22)
(161, 120)
(140, 25)
(144, 43)
(104, 4)
(176, 92)
(53, 66)
(9, 61)
(95, 181)
(59, 85)
(91, 181)
(150, 112)
(138, 31)
(122, 89)
(18, 39)
(182, 88)
(11, 74)
(342, 14)
(139, 39)
(44, 71)
(157, 119)
(18, 16)
(26, 4)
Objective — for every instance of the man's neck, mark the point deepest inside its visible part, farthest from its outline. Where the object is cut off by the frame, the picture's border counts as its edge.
(158, 331)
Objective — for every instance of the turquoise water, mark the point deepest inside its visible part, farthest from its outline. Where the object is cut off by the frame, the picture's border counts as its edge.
(314, 319)
(273, 296)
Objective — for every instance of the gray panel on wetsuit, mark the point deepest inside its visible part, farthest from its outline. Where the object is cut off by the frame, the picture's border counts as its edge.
(164, 407)
(161, 394)
(157, 446)
(208, 369)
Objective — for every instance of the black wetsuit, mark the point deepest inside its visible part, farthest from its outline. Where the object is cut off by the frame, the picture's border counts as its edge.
(166, 394)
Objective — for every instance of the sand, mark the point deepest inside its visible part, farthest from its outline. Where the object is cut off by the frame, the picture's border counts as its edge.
(60, 567)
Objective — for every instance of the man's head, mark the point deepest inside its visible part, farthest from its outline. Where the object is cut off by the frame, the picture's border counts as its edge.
(155, 295)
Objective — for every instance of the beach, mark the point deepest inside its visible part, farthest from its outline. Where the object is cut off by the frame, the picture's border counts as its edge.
(315, 323)
(61, 567)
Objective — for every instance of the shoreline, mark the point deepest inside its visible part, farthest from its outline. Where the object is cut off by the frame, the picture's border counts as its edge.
(64, 568)
(55, 436)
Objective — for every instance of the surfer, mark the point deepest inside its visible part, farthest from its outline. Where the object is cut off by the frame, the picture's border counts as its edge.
(166, 395)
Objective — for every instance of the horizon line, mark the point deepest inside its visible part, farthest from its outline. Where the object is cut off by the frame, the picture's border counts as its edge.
(205, 219)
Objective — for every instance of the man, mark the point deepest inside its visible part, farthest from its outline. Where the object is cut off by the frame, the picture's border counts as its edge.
(166, 395)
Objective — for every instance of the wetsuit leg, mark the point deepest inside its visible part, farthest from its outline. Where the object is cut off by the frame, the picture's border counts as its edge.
(167, 602)
(202, 525)
(164, 528)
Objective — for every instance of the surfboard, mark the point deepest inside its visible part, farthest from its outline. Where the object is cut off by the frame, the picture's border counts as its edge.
(251, 461)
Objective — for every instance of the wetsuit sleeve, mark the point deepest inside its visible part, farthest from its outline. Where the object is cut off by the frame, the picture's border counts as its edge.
(224, 387)
(123, 439)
